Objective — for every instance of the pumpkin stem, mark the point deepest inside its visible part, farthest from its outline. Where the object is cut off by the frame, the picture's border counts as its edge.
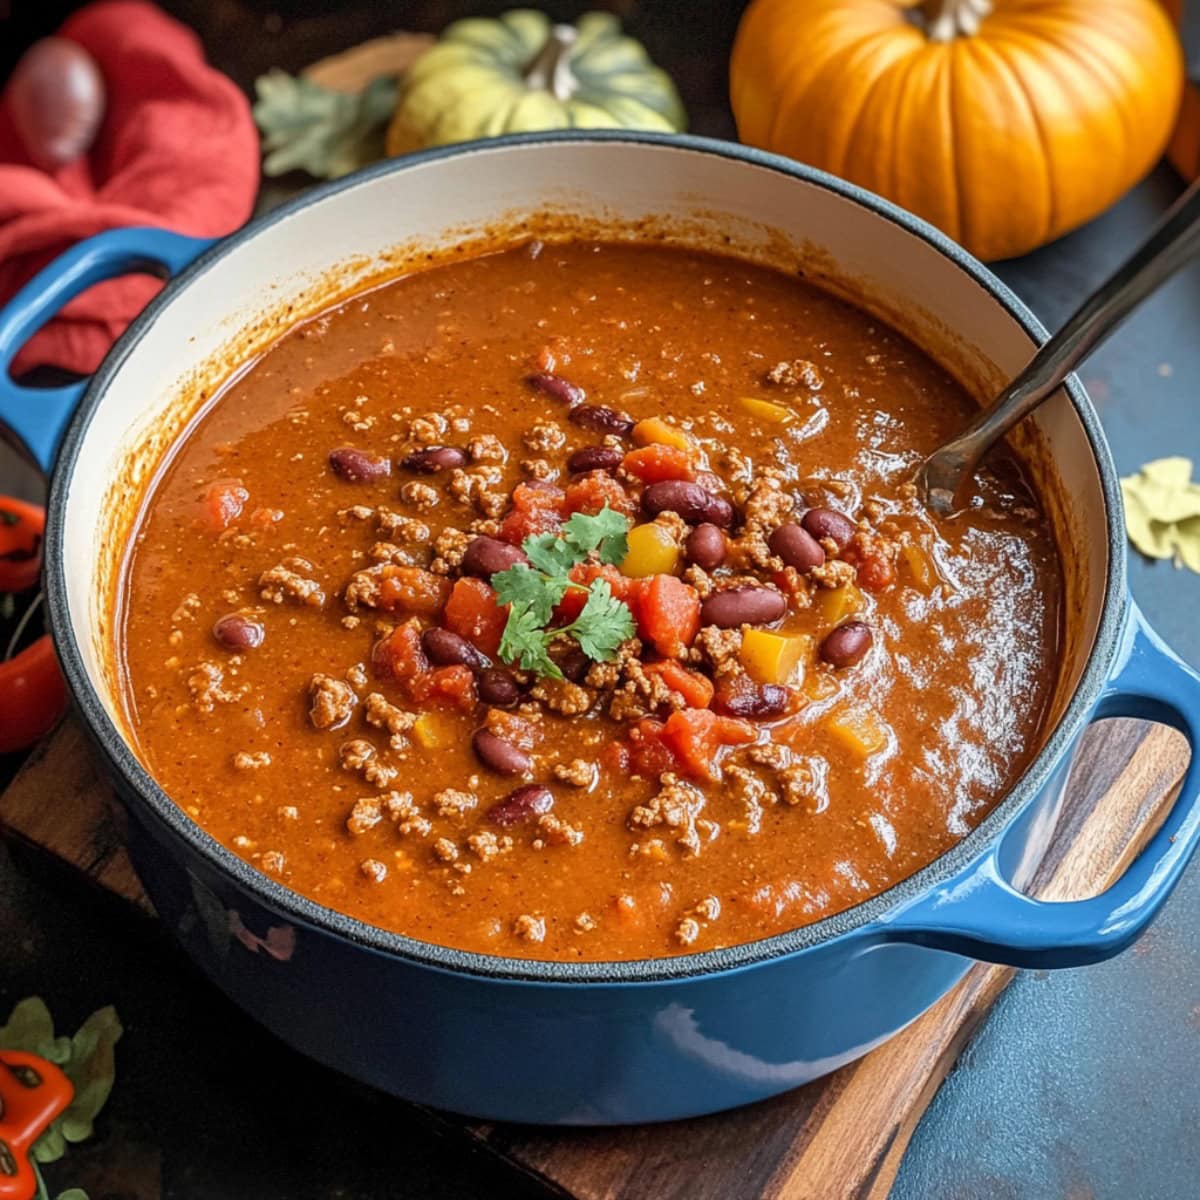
(944, 20)
(551, 69)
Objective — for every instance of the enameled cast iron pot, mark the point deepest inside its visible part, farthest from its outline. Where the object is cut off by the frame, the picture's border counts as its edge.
(595, 1042)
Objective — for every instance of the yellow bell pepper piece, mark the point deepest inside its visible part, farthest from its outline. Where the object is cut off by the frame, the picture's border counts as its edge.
(652, 551)
(920, 566)
(819, 685)
(834, 605)
(434, 731)
(774, 657)
(860, 729)
(766, 410)
(655, 431)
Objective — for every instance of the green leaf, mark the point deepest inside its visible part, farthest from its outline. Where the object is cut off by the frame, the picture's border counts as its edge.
(87, 1059)
(326, 133)
(530, 591)
(604, 532)
(550, 553)
(603, 624)
(1162, 511)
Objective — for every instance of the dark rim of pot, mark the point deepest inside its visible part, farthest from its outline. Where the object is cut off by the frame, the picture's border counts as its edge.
(154, 803)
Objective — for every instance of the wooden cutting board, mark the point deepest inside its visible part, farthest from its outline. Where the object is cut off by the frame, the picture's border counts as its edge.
(839, 1138)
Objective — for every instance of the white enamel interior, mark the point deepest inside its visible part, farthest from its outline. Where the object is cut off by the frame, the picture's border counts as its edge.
(755, 209)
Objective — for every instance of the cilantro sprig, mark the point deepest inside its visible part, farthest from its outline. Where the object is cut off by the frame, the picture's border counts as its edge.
(533, 591)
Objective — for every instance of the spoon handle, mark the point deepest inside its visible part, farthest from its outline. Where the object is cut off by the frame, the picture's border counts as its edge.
(1173, 244)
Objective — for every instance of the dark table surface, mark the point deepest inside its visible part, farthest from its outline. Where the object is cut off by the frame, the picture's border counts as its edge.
(1082, 1083)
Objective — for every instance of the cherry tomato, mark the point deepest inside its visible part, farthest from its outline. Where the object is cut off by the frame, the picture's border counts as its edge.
(32, 696)
(21, 527)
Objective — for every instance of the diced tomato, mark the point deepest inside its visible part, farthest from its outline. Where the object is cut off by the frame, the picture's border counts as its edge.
(223, 502)
(515, 730)
(668, 614)
(517, 526)
(655, 463)
(537, 494)
(399, 655)
(445, 685)
(876, 574)
(621, 586)
(648, 755)
(616, 758)
(472, 613)
(695, 688)
(591, 492)
(413, 590)
(537, 507)
(695, 735)
(868, 554)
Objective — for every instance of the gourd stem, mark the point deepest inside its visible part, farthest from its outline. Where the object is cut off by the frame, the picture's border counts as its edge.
(944, 20)
(551, 69)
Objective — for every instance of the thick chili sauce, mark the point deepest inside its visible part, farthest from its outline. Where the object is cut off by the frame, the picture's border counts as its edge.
(823, 690)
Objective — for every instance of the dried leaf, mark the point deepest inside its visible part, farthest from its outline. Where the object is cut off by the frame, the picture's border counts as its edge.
(1162, 511)
(351, 70)
(311, 128)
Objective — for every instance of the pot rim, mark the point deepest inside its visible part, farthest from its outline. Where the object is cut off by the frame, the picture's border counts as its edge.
(152, 801)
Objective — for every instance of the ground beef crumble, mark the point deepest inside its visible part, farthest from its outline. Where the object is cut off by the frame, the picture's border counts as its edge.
(333, 702)
(562, 696)
(290, 580)
(797, 373)
(578, 772)
(384, 715)
(453, 802)
(677, 806)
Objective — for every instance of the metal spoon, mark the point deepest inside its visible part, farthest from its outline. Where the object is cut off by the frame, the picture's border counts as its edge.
(1174, 243)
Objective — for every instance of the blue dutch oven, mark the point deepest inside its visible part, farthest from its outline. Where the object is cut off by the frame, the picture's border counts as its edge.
(586, 1042)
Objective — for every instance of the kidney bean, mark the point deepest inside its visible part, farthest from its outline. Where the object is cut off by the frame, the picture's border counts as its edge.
(574, 664)
(485, 556)
(347, 462)
(532, 800)
(847, 645)
(601, 419)
(498, 687)
(594, 458)
(558, 388)
(692, 502)
(764, 700)
(503, 757)
(796, 546)
(743, 606)
(237, 632)
(829, 523)
(446, 649)
(435, 458)
(705, 546)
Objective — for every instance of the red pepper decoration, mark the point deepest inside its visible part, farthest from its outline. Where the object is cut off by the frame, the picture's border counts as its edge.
(32, 1093)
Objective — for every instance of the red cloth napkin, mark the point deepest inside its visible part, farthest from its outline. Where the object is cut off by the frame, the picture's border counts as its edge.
(177, 148)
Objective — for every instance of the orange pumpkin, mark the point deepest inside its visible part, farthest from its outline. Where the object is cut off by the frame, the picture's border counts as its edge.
(1004, 122)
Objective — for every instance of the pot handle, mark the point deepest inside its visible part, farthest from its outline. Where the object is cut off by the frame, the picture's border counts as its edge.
(34, 419)
(981, 915)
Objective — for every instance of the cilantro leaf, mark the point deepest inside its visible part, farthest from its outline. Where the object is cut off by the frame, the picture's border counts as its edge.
(532, 591)
(550, 553)
(527, 590)
(603, 623)
(605, 532)
(527, 644)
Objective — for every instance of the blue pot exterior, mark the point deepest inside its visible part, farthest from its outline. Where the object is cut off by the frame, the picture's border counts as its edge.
(600, 1043)
(559, 1053)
